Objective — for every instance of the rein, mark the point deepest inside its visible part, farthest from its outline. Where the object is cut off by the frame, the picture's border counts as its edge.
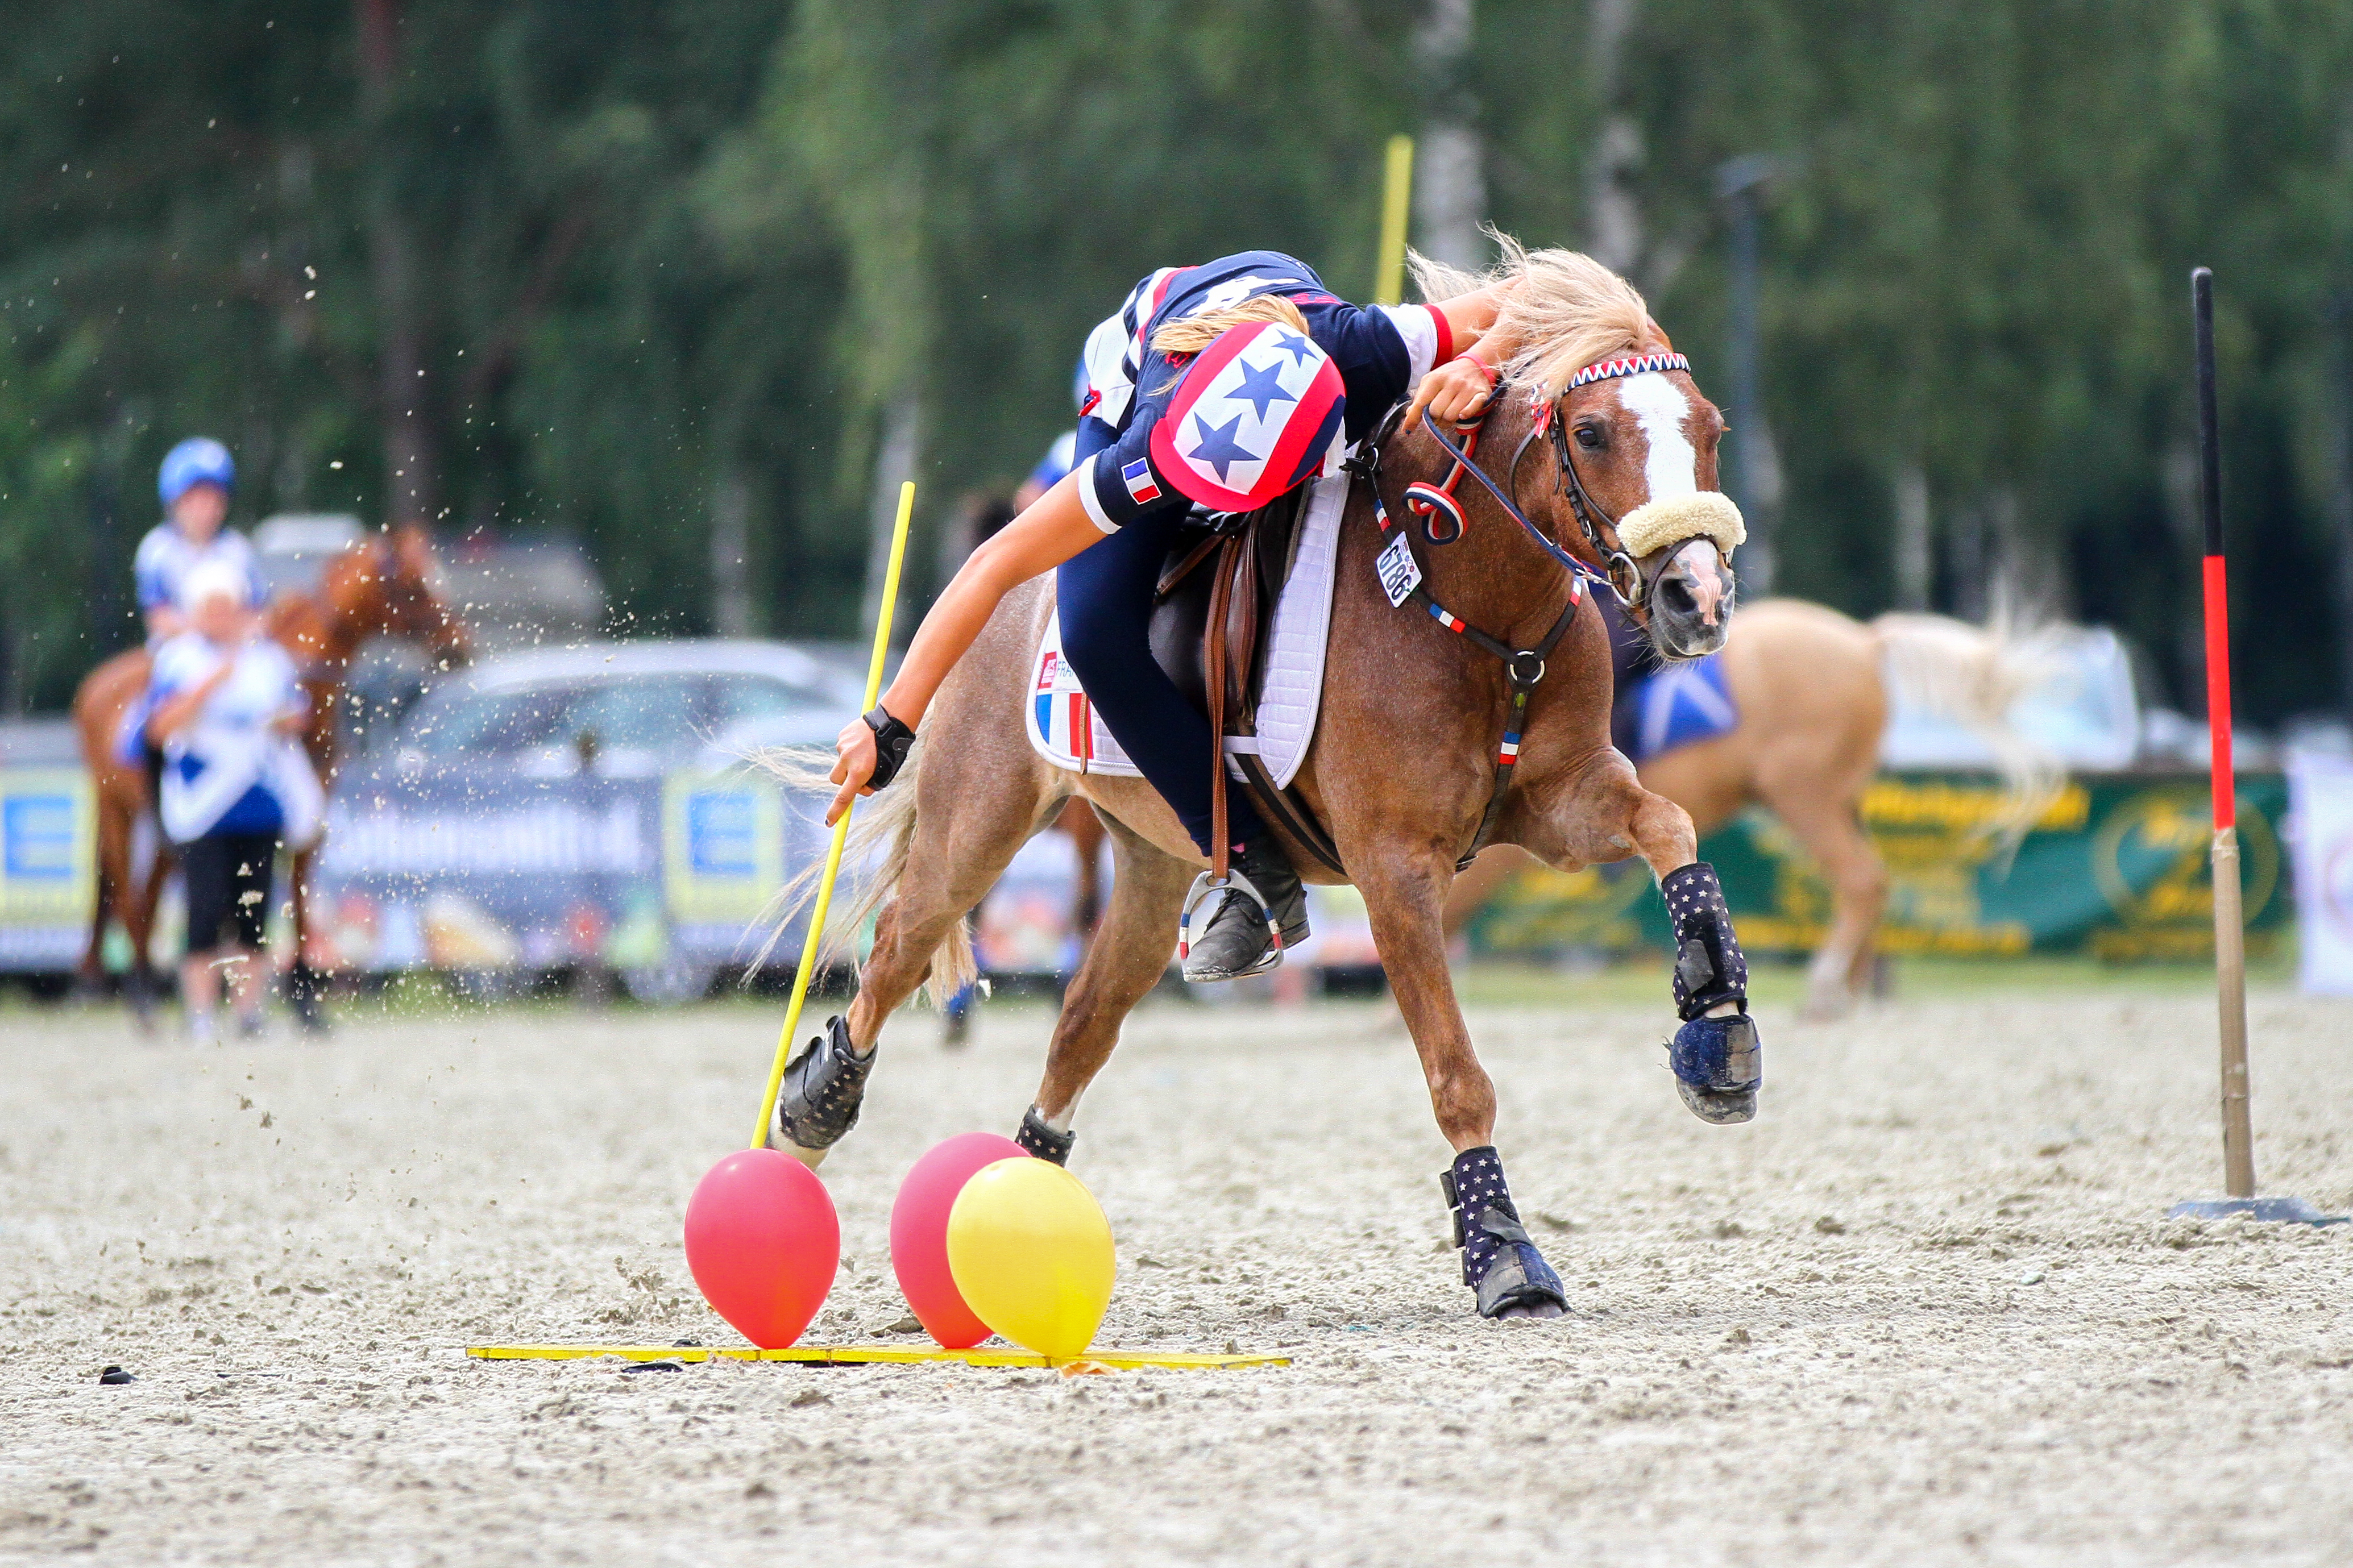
(1461, 458)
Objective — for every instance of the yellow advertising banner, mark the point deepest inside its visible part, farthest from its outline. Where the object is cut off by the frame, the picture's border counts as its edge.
(48, 865)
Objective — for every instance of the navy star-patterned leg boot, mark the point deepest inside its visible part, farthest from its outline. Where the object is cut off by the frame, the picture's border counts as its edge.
(1718, 1062)
(1040, 1142)
(819, 1100)
(1499, 1262)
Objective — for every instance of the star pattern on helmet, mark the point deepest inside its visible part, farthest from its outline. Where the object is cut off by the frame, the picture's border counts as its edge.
(1218, 447)
(1261, 385)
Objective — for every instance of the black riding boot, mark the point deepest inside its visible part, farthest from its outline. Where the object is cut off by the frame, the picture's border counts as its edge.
(1240, 927)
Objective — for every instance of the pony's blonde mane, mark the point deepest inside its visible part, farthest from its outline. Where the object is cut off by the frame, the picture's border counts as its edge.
(1562, 310)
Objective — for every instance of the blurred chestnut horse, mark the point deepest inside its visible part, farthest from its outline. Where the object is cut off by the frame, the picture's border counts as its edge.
(388, 586)
(1812, 689)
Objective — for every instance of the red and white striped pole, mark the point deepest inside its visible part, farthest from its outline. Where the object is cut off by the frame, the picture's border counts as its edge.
(2230, 924)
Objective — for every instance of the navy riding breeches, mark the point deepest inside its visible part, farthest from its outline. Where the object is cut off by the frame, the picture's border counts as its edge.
(1105, 591)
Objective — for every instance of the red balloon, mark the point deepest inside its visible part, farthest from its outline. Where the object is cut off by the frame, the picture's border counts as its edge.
(763, 1242)
(918, 1234)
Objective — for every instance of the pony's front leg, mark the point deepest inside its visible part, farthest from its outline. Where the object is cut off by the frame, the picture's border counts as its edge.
(305, 986)
(1600, 813)
(1405, 894)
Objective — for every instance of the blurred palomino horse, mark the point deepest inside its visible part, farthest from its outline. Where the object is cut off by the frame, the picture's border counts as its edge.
(388, 586)
(1812, 690)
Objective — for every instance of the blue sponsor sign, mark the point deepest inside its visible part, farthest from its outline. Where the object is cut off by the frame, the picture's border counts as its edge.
(37, 837)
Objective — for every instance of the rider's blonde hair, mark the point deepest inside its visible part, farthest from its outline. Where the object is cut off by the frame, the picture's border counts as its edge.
(1563, 310)
(1191, 334)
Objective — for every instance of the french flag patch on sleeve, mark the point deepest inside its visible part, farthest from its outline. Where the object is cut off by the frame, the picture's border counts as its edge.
(1141, 487)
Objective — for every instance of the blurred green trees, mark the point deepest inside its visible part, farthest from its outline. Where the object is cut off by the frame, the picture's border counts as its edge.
(649, 256)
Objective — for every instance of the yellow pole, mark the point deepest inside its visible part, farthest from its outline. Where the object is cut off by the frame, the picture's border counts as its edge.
(840, 829)
(1396, 194)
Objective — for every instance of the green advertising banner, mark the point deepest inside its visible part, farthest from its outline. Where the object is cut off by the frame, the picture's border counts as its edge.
(2116, 868)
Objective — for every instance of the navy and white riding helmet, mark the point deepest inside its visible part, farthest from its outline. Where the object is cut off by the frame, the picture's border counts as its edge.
(1257, 412)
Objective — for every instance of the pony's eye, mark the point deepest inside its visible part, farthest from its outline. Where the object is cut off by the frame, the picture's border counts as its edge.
(1589, 437)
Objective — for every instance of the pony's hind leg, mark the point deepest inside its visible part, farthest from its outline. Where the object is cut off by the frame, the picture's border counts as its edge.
(1822, 815)
(1843, 967)
(1129, 954)
(305, 987)
(113, 894)
(1600, 813)
(973, 807)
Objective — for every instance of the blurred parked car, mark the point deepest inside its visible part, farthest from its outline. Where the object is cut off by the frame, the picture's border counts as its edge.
(584, 809)
(630, 710)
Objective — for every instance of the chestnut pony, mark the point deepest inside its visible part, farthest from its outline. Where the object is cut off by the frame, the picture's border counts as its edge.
(386, 586)
(1404, 761)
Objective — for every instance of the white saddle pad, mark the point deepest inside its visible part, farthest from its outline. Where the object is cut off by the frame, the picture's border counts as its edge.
(1067, 731)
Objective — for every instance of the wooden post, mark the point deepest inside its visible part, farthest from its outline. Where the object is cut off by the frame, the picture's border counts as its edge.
(2230, 923)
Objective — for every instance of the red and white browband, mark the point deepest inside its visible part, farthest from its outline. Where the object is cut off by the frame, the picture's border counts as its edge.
(1632, 365)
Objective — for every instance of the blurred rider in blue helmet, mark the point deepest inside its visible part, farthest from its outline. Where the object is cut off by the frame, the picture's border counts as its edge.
(194, 486)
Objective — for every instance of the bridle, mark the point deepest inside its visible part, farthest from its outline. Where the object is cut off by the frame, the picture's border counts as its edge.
(1625, 574)
(1400, 570)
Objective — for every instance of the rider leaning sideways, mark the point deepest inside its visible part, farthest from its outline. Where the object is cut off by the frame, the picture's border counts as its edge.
(194, 484)
(1221, 388)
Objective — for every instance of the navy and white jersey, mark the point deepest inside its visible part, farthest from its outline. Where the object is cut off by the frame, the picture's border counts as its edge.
(1380, 352)
(166, 556)
(228, 770)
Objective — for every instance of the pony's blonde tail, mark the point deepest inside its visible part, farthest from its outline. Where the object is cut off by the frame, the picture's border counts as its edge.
(1972, 675)
(880, 835)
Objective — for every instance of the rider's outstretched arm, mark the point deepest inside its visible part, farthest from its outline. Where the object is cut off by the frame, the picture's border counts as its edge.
(1055, 527)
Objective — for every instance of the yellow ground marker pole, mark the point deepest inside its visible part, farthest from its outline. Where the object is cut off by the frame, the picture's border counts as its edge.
(1397, 200)
(870, 1355)
(840, 829)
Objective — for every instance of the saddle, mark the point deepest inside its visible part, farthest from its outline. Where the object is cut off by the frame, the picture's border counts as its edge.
(1211, 618)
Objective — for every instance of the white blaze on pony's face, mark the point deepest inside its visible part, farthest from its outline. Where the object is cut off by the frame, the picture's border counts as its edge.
(1646, 446)
(1660, 411)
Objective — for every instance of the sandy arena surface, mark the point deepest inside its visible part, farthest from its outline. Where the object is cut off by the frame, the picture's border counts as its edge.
(1925, 1310)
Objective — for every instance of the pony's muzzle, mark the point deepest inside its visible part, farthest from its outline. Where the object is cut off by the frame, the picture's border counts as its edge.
(1691, 601)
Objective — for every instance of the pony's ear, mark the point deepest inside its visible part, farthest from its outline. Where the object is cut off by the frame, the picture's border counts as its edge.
(1654, 338)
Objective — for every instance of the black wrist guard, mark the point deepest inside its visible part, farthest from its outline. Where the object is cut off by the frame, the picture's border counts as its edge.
(892, 740)
(1709, 967)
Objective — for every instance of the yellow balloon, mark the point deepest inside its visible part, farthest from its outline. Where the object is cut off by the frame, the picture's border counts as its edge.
(1031, 1254)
